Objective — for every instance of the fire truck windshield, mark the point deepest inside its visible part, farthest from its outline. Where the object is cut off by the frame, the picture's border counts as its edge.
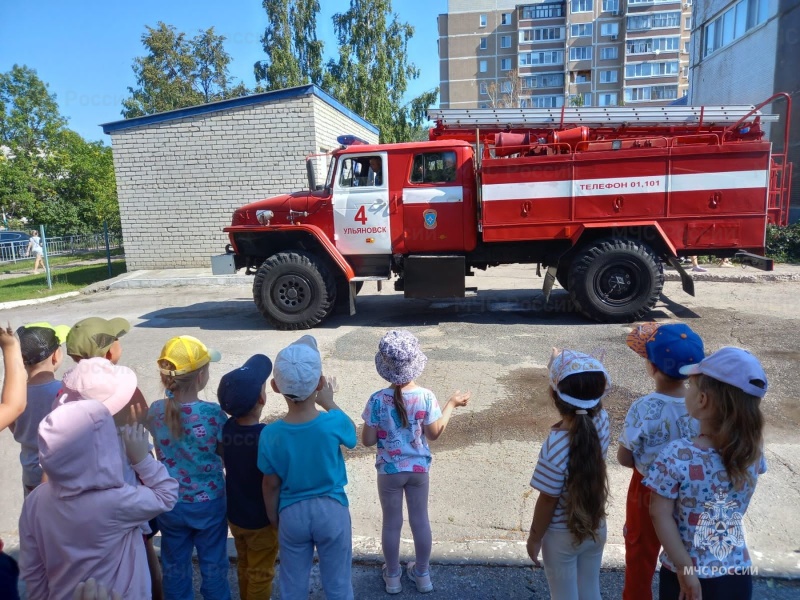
(329, 176)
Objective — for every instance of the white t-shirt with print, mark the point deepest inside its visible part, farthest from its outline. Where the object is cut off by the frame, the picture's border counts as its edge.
(550, 474)
(708, 511)
(402, 449)
(652, 422)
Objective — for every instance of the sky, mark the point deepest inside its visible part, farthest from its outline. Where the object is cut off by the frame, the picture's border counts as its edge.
(84, 49)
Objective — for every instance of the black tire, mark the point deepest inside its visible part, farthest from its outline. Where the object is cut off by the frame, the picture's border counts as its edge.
(616, 280)
(294, 290)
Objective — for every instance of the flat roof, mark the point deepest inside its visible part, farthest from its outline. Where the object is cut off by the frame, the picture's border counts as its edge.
(251, 100)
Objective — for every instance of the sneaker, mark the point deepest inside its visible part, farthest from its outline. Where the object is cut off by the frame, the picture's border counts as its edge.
(699, 270)
(423, 582)
(393, 584)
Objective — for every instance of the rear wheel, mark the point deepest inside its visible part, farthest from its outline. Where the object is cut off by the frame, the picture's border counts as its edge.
(294, 290)
(616, 280)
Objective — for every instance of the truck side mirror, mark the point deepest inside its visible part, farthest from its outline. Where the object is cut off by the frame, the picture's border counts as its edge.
(312, 176)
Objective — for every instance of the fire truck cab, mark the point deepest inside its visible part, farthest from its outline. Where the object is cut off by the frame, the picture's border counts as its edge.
(602, 198)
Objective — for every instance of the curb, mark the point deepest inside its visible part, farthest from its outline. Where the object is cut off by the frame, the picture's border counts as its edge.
(742, 276)
(18, 303)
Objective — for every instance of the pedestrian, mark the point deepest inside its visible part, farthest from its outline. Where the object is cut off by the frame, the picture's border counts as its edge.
(187, 434)
(35, 246)
(242, 394)
(301, 457)
(41, 353)
(652, 422)
(568, 524)
(84, 520)
(400, 420)
(702, 487)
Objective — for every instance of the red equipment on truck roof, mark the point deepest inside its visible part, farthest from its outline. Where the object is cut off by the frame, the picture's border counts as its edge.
(602, 197)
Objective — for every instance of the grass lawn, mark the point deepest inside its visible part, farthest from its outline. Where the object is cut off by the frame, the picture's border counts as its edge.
(26, 264)
(64, 280)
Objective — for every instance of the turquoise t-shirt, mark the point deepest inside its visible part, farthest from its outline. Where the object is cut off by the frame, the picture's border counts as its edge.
(308, 457)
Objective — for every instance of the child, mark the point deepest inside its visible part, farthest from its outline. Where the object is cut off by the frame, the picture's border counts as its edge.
(569, 518)
(702, 487)
(242, 394)
(14, 398)
(301, 457)
(96, 337)
(41, 354)
(400, 420)
(84, 520)
(653, 421)
(187, 433)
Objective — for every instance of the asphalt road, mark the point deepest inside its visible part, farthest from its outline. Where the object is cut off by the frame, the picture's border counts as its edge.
(496, 345)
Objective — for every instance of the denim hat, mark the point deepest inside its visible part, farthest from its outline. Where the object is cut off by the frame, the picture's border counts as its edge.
(734, 366)
(298, 368)
(239, 390)
(669, 347)
(570, 362)
(399, 359)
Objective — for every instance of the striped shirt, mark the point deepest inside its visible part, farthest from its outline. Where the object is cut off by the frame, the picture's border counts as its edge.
(550, 474)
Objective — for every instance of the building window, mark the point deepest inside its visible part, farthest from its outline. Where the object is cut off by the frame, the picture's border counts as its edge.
(587, 99)
(609, 53)
(544, 80)
(505, 64)
(687, 24)
(654, 21)
(634, 2)
(548, 10)
(686, 47)
(541, 34)
(651, 92)
(505, 41)
(483, 106)
(606, 99)
(505, 19)
(609, 29)
(577, 6)
(550, 57)
(482, 21)
(483, 66)
(484, 89)
(611, 6)
(506, 87)
(580, 53)
(484, 43)
(608, 76)
(581, 30)
(547, 101)
(733, 23)
(649, 45)
(651, 69)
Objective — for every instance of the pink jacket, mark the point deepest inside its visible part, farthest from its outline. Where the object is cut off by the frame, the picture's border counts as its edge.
(84, 522)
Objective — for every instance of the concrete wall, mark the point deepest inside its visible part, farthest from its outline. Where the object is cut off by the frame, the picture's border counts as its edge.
(179, 181)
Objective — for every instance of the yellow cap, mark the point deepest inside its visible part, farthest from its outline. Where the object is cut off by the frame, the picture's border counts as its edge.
(187, 354)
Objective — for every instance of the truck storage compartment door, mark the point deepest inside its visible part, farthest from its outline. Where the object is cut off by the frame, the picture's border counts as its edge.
(434, 277)
(361, 205)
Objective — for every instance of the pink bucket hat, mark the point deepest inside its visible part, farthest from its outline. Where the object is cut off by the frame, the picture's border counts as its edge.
(99, 379)
(399, 359)
(570, 362)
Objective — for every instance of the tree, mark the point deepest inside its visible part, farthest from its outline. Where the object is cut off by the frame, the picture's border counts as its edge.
(179, 72)
(294, 54)
(372, 72)
(506, 94)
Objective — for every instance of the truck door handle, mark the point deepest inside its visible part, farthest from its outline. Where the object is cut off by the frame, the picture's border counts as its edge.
(713, 201)
(619, 201)
(526, 208)
(393, 204)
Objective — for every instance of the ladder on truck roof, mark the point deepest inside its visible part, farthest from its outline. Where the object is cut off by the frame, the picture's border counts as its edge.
(543, 118)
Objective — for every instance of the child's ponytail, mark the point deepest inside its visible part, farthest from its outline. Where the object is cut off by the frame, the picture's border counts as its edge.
(587, 479)
(400, 405)
(177, 385)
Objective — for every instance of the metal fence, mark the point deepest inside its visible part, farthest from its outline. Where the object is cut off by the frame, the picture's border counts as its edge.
(60, 246)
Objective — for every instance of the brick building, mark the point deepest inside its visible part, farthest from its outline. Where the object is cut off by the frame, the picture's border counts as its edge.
(543, 54)
(181, 174)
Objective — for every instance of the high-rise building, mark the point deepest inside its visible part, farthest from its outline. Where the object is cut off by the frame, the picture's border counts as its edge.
(581, 52)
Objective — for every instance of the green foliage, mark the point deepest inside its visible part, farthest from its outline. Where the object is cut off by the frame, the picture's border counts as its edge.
(783, 243)
(179, 72)
(293, 52)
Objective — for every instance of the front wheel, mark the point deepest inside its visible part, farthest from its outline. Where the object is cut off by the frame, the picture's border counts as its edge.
(294, 290)
(616, 280)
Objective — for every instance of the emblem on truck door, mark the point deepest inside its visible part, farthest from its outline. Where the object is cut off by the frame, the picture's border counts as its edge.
(429, 218)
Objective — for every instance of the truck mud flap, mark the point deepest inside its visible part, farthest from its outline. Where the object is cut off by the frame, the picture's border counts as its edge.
(686, 280)
(434, 277)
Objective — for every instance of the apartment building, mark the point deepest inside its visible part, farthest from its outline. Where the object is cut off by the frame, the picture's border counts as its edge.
(548, 53)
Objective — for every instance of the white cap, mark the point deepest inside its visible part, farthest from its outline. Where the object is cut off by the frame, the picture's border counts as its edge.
(734, 366)
(297, 369)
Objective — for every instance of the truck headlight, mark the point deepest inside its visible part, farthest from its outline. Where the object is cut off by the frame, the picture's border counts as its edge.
(264, 216)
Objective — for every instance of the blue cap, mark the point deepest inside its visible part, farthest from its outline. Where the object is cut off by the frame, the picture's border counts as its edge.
(239, 390)
(674, 346)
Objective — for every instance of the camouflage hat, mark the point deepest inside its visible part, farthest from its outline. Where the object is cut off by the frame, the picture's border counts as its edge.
(94, 336)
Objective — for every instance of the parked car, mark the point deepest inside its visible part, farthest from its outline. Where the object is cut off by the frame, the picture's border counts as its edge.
(13, 245)
(14, 236)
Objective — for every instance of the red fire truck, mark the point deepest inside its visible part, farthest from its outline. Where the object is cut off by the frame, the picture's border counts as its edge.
(601, 198)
